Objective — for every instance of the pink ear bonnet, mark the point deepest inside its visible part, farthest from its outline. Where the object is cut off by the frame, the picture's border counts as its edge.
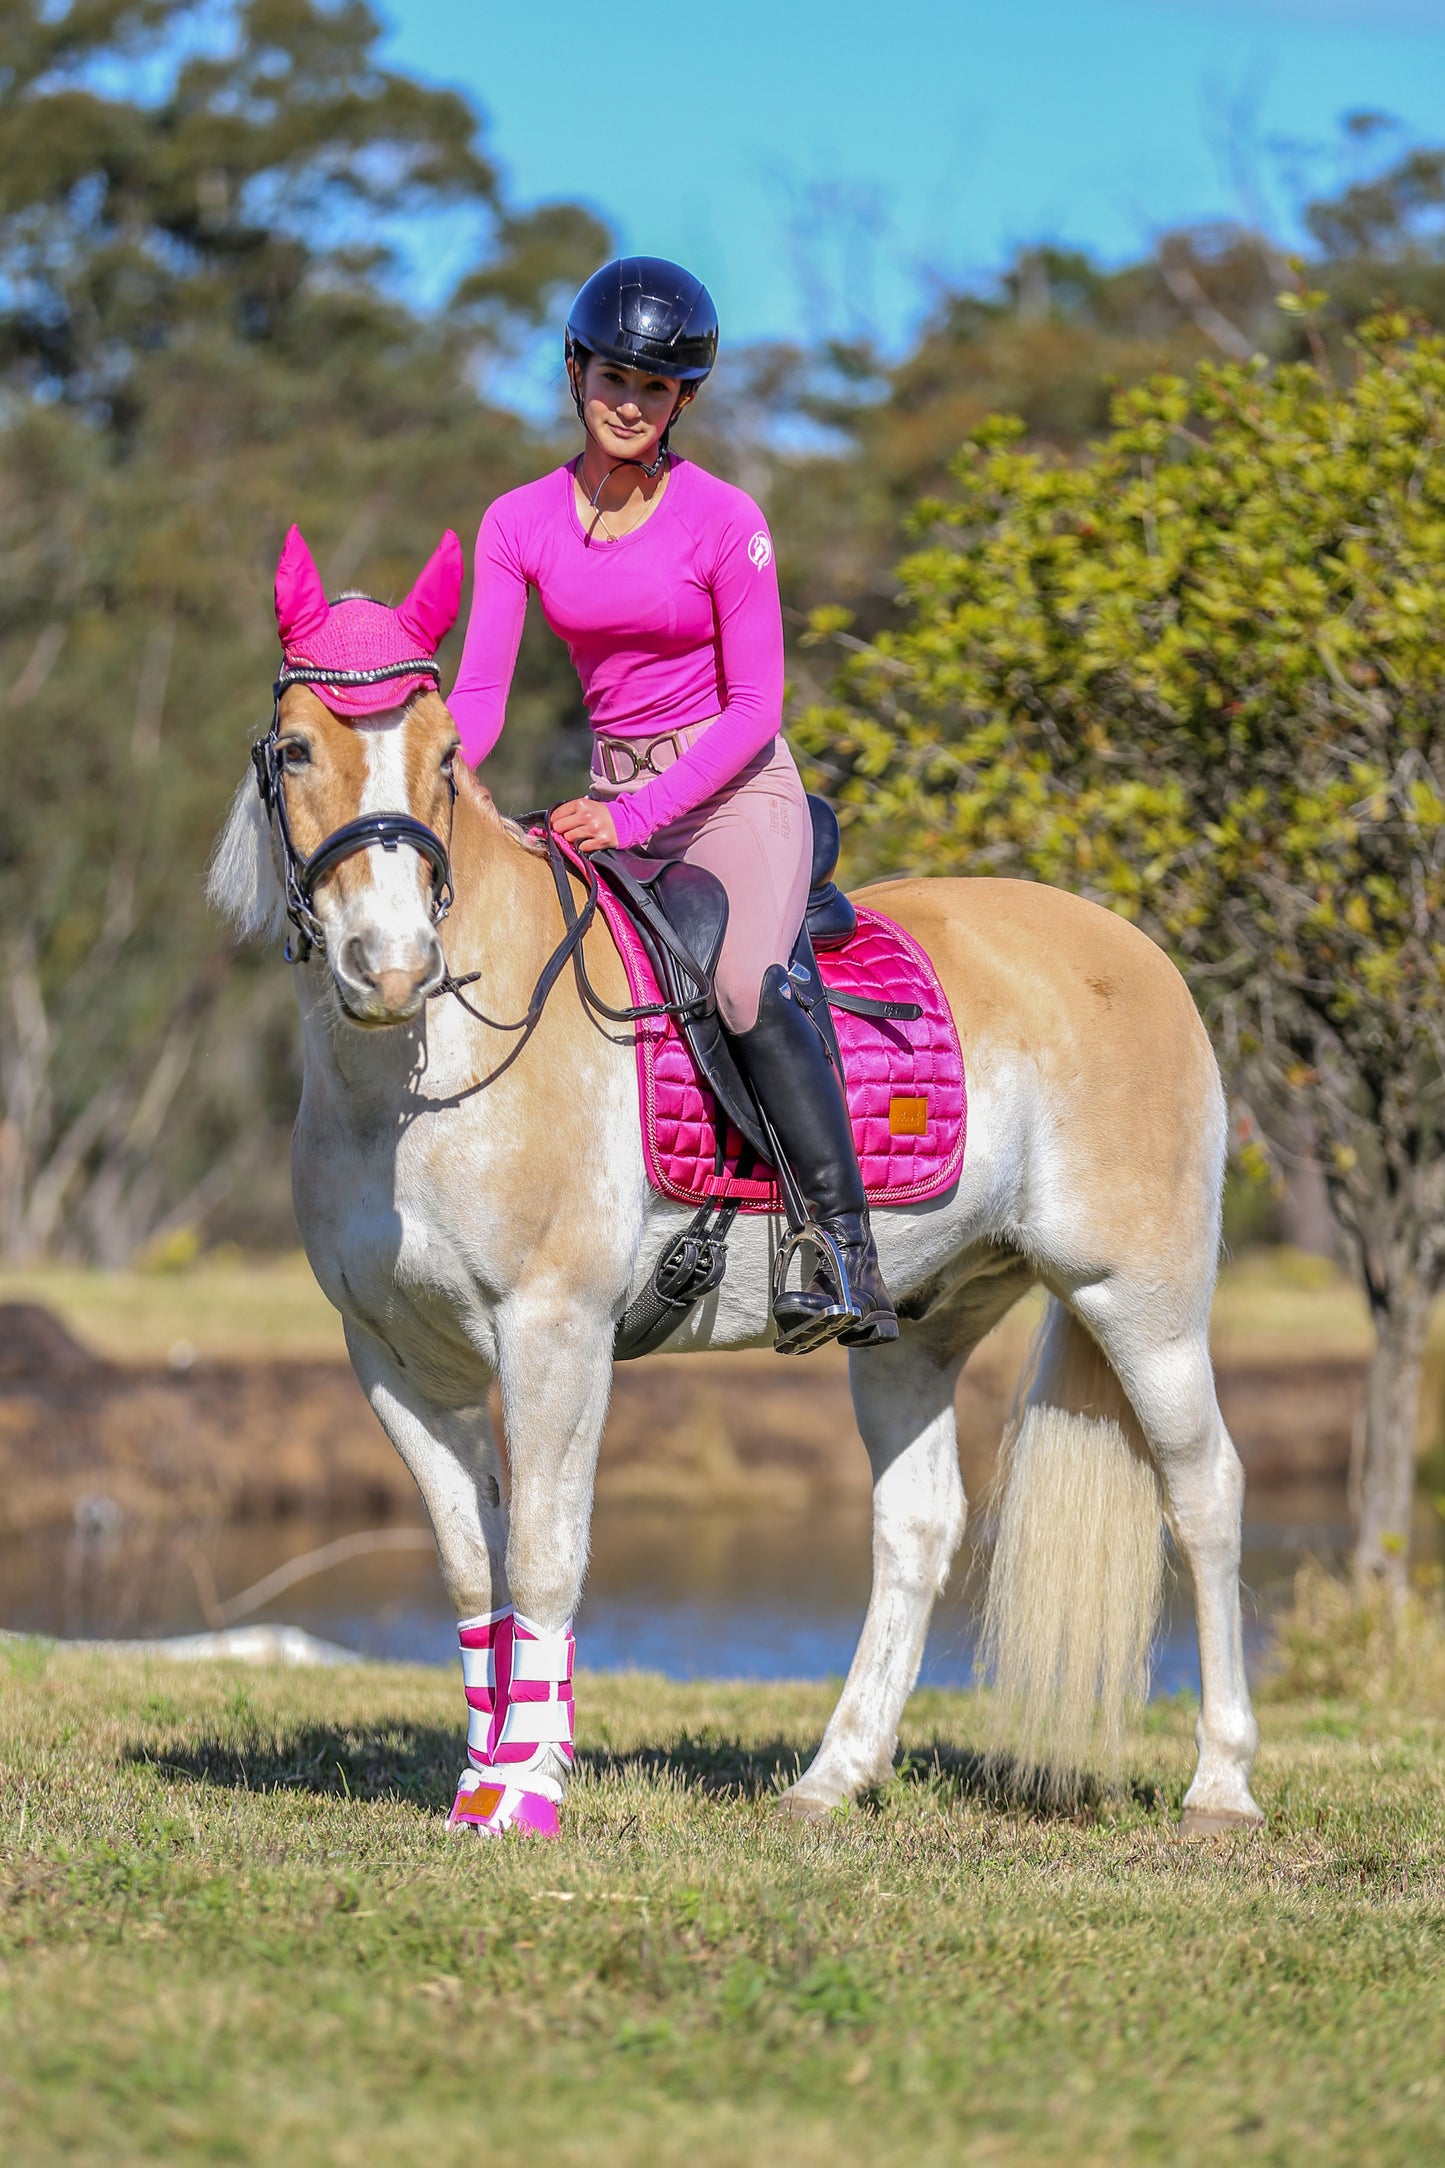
(355, 654)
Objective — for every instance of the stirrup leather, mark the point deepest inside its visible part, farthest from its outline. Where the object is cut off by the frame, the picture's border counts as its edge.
(826, 1324)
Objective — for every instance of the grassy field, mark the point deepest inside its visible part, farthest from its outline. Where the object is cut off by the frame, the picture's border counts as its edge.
(235, 1930)
(224, 1307)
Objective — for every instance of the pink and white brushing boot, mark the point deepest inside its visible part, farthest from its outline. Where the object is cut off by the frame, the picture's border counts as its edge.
(519, 1728)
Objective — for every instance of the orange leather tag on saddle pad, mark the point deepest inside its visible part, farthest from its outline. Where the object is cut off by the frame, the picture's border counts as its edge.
(907, 1116)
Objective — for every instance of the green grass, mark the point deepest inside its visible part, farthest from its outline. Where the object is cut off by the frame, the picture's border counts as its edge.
(234, 1929)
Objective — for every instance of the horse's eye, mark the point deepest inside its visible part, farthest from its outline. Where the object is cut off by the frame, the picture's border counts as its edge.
(449, 761)
(295, 752)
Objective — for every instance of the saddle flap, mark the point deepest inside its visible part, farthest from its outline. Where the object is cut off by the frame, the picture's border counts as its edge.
(680, 917)
(695, 904)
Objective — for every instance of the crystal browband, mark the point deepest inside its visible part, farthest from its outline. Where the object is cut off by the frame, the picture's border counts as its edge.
(303, 673)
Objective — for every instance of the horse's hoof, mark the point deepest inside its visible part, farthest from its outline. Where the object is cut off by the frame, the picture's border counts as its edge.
(805, 1807)
(496, 1808)
(1218, 1821)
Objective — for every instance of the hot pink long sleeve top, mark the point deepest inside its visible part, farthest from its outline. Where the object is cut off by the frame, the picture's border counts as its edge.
(674, 623)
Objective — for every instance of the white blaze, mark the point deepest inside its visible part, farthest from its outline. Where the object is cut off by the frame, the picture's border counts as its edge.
(385, 924)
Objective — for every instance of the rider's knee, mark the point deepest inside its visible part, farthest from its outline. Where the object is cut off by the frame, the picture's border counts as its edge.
(737, 986)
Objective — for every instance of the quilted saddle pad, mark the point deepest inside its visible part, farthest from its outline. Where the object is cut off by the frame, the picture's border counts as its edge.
(906, 1089)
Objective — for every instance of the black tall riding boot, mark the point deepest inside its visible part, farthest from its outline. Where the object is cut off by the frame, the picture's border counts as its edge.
(786, 1064)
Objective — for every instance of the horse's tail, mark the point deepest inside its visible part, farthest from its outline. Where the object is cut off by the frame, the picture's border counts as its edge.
(1077, 1578)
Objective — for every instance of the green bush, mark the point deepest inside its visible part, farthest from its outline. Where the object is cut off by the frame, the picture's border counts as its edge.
(1199, 675)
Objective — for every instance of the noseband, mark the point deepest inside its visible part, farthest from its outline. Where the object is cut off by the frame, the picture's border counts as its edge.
(302, 876)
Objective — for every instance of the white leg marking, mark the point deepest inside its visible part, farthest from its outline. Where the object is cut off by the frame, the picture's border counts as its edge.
(904, 1403)
(1171, 1386)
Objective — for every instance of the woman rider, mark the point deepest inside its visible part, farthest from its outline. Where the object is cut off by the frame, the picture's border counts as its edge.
(661, 580)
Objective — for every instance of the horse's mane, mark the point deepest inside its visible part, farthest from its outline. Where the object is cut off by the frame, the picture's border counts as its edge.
(528, 838)
(478, 800)
(243, 883)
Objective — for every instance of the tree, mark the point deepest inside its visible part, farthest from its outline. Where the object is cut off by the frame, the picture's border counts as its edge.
(200, 340)
(1051, 340)
(1199, 675)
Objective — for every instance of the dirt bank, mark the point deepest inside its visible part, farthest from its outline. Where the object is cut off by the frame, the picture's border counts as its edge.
(226, 1440)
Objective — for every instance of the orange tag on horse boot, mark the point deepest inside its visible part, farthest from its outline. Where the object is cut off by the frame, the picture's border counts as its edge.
(907, 1117)
(480, 1805)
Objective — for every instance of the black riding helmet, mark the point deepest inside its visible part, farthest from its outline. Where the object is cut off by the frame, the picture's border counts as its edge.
(645, 313)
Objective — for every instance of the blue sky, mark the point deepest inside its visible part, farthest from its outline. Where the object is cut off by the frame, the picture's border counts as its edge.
(829, 158)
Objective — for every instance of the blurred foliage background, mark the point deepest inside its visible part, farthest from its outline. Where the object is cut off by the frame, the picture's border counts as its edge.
(204, 333)
(1197, 673)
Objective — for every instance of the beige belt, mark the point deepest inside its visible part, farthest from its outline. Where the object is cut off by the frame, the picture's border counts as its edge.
(620, 761)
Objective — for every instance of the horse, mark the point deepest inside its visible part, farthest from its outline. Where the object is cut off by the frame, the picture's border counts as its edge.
(476, 1207)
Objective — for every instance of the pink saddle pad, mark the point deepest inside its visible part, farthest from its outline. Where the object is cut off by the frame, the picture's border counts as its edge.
(906, 1089)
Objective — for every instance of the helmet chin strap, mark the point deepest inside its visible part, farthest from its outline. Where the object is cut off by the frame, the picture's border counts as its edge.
(651, 472)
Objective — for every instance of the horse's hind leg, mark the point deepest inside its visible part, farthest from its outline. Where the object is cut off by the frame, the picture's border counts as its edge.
(903, 1398)
(1170, 1383)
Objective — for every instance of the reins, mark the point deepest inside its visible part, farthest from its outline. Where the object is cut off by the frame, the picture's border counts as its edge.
(302, 875)
(569, 948)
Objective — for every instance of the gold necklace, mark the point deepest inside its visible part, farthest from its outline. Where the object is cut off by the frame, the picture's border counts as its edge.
(595, 508)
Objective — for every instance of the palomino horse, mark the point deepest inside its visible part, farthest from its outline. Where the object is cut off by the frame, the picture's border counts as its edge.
(468, 1234)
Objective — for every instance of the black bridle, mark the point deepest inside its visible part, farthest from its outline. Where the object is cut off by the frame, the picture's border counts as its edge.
(302, 875)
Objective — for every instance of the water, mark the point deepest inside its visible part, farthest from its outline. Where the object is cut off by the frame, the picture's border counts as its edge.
(689, 1593)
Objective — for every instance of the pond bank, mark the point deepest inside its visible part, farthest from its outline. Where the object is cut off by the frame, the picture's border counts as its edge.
(198, 1439)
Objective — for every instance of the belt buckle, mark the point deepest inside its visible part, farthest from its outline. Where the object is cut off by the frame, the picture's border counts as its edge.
(639, 763)
(610, 748)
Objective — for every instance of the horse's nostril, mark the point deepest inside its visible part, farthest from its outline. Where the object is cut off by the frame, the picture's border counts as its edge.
(388, 979)
(354, 962)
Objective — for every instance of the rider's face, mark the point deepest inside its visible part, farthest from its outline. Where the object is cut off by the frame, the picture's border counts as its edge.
(626, 410)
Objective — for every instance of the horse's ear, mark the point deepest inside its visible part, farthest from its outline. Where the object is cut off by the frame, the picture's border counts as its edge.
(430, 610)
(301, 605)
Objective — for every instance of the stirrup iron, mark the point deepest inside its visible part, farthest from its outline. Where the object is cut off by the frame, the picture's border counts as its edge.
(824, 1325)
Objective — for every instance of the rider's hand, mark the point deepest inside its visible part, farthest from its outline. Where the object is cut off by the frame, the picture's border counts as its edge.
(586, 824)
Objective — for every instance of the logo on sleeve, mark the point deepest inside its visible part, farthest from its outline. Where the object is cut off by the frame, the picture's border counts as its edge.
(760, 549)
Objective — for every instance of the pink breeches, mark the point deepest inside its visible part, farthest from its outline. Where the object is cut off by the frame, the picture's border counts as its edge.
(756, 835)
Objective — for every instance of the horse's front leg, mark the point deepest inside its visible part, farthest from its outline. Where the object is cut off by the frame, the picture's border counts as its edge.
(556, 1377)
(556, 1370)
(453, 1459)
